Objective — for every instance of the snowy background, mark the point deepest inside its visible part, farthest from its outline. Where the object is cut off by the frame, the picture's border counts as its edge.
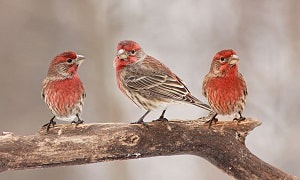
(184, 35)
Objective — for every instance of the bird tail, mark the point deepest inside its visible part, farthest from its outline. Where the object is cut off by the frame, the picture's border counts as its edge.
(203, 105)
(199, 103)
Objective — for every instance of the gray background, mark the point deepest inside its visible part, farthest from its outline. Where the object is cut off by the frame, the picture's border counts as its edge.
(184, 35)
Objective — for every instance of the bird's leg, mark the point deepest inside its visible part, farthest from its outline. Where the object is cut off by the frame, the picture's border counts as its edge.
(141, 120)
(241, 118)
(51, 122)
(161, 117)
(79, 121)
(213, 119)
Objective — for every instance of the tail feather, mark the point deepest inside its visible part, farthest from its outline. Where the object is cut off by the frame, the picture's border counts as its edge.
(204, 106)
(199, 103)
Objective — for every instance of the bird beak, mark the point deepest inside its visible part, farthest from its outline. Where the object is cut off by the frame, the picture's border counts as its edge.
(233, 60)
(122, 54)
(79, 59)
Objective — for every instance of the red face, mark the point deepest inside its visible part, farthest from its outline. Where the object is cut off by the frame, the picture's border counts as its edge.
(66, 63)
(63, 57)
(225, 60)
(126, 53)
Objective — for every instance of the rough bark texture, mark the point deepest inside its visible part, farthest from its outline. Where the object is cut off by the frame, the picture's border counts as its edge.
(222, 144)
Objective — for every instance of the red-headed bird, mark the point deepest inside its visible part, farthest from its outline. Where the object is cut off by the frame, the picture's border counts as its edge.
(149, 83)
(224, 87)
(62, 89)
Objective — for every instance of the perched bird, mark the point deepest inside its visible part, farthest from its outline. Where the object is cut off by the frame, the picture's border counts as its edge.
(224, 87)
(149, 83)
(62, 89)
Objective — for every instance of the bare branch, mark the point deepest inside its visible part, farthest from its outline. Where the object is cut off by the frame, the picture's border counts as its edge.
(222, 145)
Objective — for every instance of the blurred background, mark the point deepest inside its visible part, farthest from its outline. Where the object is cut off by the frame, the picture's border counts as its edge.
(184, 35)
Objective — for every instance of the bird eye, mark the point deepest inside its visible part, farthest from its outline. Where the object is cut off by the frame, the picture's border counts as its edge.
(222, 59)
(69, 60)
(132, 52)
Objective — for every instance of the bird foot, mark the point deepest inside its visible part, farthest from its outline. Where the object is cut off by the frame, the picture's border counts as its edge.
(48, 125)
(140, 121)
(213, 119)
(79, 121)
(162, 119)
(239, 119)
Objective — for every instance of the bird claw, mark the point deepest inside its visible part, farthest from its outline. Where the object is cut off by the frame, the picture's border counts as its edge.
(213, 119)
(161, 119)
(140, 122)
(79, 121)
(48, 125)
(240, 119)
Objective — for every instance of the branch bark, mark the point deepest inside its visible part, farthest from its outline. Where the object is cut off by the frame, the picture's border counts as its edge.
(222, 144)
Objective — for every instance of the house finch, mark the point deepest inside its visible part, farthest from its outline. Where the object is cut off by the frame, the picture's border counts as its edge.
(62, 89)
(224, 87)
(148, 82)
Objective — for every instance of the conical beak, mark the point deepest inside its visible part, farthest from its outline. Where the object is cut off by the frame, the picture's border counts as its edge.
(122, 54)
(79, 59)
(233, 60)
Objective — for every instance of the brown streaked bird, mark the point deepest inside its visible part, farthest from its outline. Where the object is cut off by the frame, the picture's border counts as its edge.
(149, 83)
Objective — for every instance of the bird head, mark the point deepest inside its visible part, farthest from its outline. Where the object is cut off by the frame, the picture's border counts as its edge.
(225, 62)
(128, 52)
(65, 65)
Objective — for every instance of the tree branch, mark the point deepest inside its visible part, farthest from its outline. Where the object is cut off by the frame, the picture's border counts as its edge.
(222, 144)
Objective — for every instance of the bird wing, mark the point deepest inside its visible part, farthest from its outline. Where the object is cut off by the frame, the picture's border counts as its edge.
(163, 86)
(44, 83)
(83, 95)
(152, 79)
(43, 95)
(245, 91)
(204, 84)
